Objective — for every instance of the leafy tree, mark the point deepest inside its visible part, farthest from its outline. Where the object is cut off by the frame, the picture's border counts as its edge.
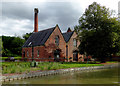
(99, 32)
(12, 46)
(1, 46)
(17, 44)
(27, 35)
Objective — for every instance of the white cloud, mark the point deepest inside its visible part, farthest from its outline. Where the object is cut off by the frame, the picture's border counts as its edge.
(14, 26)
(112, 4)
(66, 14)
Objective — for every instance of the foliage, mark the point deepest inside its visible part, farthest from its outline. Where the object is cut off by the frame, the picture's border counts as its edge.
(1, 46)
(118, 54)
(27, 35)
(99, 32)
(12, 46)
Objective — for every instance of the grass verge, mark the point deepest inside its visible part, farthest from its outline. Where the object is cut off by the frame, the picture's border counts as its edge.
(25, 67)
(17, 58)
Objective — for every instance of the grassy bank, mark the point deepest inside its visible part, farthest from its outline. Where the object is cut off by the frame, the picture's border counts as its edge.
(24, 67)
(17, 58)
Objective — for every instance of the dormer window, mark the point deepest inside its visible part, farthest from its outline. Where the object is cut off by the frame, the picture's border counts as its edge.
(75, 42)
(57, 40)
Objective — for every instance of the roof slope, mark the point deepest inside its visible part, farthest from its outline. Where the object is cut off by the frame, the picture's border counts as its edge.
(67, 36)
(39, 38)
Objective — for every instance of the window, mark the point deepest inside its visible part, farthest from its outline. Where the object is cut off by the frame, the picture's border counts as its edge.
(67, 51)
(23, 53)
(38, 52)
(75, 55)
(57, 40)
(57, 56)
(75, 42)
(27, 54)
(49, 57)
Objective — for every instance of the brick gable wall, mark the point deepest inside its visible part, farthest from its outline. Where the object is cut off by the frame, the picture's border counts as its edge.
(50, 43)
(71, 48)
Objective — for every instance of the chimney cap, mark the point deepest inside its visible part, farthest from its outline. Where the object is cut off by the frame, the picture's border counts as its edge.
(36, 10)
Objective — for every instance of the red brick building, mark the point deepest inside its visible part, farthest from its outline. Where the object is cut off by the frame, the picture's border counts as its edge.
(51, 45)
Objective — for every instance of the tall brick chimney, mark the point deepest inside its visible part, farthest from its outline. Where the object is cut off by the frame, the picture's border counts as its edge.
(36, 20)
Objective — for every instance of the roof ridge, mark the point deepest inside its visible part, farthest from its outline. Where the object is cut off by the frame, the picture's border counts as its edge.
(67, 36)
(45, 29)
(42, 36)
(68, 32)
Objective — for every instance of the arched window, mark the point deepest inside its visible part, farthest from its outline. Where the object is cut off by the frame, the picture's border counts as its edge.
(57, 40)
(75, 42)
(67, 51)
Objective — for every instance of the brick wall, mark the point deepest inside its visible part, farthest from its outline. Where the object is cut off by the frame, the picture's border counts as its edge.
(71, 48)
(43, 55)
(47, 51)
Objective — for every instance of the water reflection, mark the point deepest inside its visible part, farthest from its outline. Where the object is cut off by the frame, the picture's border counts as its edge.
(102, 76)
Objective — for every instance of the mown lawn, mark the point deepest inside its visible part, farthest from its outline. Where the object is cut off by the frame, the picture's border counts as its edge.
(112, 62)
(25, 67)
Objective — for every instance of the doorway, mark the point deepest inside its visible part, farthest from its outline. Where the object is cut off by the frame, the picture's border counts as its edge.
(75, 56)
(57, 55)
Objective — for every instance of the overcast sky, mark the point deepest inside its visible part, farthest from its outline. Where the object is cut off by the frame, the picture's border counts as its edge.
(17, 16)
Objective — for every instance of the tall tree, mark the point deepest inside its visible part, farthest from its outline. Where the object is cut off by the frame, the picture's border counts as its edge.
(27, 35)
(12, 46)
(1, 46)
(99, 32)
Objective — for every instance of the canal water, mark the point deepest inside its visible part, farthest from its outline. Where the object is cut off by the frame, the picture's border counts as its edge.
(101, 76)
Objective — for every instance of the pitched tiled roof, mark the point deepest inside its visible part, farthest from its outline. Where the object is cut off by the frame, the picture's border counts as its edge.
(39, 38)
(67, 36)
